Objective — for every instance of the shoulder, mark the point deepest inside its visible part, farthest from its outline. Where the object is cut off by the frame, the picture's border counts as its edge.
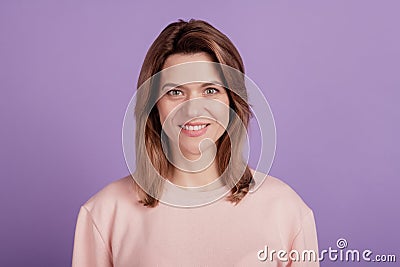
(110, 213)
(278, 196)
(120, 193)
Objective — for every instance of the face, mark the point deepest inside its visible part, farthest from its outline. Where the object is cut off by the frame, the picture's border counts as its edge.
(195, 114)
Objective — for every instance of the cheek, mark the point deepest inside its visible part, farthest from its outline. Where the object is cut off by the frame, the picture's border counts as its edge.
(224, 111)
(161, 112)
(164, 109)
(220, 113)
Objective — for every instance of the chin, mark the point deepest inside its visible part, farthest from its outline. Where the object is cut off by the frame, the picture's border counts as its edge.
(191, 152)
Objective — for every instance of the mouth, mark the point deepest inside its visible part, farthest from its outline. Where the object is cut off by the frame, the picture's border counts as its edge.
(194, 129)
(194, 126)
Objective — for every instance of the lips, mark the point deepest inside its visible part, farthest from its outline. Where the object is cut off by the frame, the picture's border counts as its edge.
(194, 127)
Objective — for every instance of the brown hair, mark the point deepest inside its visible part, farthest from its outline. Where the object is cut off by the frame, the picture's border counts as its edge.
(189, 37)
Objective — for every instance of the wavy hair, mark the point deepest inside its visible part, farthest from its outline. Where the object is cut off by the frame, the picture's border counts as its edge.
(193, 36)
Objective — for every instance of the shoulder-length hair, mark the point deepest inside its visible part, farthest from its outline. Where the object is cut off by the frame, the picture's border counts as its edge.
(190, 37)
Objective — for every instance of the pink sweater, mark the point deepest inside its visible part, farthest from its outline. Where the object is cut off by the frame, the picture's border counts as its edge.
(113, 229)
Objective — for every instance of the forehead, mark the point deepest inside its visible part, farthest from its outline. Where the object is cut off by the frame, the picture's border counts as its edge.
(188, 68)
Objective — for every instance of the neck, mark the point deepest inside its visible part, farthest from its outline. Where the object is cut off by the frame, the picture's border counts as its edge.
(194, 179)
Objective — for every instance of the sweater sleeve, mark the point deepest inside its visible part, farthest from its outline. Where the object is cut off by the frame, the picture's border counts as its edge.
(89, 247)
(306, 244)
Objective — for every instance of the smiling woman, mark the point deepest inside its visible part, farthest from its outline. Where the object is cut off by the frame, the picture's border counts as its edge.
(179, 63)
(192, 115)
(189, 115)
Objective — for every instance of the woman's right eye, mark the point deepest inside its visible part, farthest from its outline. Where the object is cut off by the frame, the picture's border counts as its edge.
(175, 92)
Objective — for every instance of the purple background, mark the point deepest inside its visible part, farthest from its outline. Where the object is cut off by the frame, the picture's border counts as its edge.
(330, 71)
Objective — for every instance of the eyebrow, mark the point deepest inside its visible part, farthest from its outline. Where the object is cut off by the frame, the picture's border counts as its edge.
(174, 85)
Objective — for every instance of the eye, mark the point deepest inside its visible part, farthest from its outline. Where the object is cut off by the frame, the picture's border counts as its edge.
(211, 91)
(175, 92)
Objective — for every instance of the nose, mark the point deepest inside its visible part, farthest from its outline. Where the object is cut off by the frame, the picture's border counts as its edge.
(193, 107)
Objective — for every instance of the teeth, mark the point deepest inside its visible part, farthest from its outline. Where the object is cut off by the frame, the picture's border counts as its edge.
(193, 128)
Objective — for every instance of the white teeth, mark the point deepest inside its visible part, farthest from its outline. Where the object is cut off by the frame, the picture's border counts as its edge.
(193, 128)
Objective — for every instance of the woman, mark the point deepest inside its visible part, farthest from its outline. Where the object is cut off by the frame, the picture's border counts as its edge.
(191, 120)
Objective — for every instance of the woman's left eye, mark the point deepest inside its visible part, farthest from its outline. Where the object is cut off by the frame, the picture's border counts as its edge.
(211, 91)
